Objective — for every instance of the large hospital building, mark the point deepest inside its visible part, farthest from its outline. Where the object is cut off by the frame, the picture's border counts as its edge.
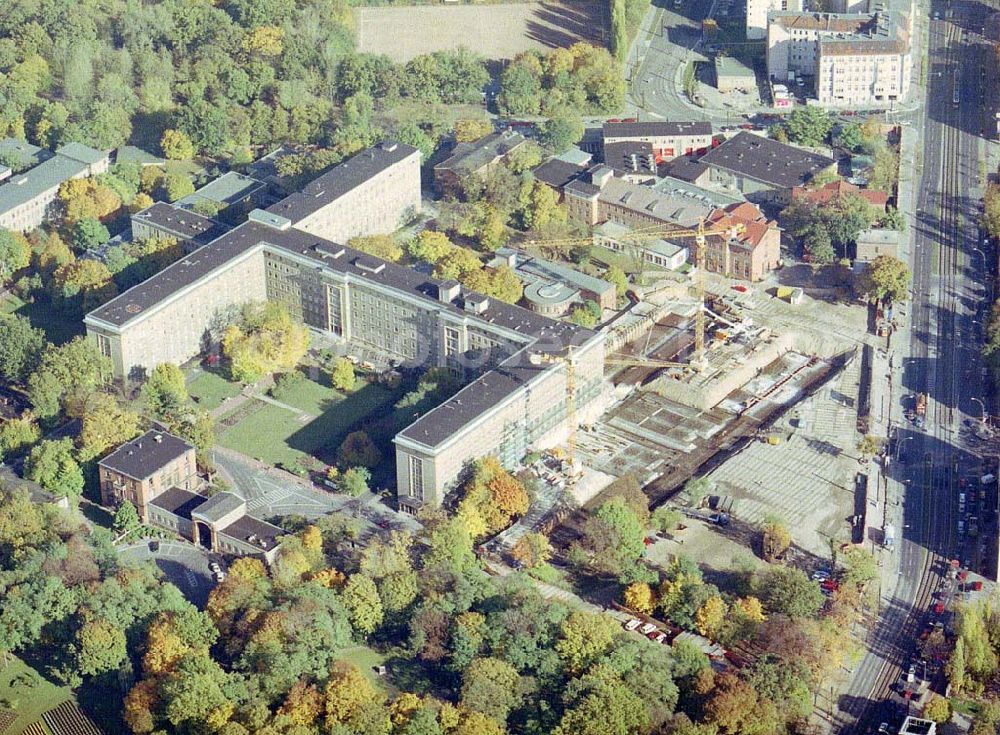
(514, 360)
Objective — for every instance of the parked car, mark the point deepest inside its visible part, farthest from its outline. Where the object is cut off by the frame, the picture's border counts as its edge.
(632, 624)
(660, 638)
(820, 575)
(830, 584)
(647, 628)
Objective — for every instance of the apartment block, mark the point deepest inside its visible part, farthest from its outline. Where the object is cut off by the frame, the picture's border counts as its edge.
(513, 359)
(667, 139)
(26, 198)
(140, 470)
(758, 10)
(855, 59)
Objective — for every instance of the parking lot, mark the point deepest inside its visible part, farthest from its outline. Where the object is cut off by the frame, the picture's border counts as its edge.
(185, 565)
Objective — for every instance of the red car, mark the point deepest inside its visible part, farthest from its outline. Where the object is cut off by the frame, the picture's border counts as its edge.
(830, 584)
(938, 608)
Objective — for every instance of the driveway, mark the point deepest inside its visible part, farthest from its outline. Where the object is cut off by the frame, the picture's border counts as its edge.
(272, 493)
(185, 565)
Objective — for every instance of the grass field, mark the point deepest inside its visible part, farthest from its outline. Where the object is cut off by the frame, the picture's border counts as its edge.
(58, 327)
(210, 390)
(275, 435)
(495, 31)
(29, 692)
(313, 395)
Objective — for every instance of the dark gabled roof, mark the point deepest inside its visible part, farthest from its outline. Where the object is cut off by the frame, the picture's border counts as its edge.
(146, 455)
(470, 157)
(655, 128)
(220, 505)
(265, 535)
(685, 168)
(558, 173)
(768, 161)
(341, 179)
(178, 501)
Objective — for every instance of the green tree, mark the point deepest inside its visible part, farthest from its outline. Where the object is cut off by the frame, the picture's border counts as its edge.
(808, 126)
(560, 133)
(105, 425)
(354, 482)
(177, 186)
(126, 518)
(893, 220)
(666, 519)
(696, 489)
(600, 703)
(991, 210)
(165, 391)
(789, 591)
(938, 710)
(584, 638)
(89, 233)
(470, 130)
(587, 315)
(66, 375)
(775, 538)
(100, 647)
(18, 434)
(15, 254)
(176, 145)
(614, 537)
(264, 340)
(520, 90)
(955, 668)
(20, 347)
(490, 686)
(884, 278)
(381, 246)
(363, 604)
(52, 465)
(342, 376)
(430, 246)
(818, 245)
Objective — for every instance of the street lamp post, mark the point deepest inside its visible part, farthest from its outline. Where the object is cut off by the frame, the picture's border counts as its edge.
(899, 445)
(982, 406)
(986, 273)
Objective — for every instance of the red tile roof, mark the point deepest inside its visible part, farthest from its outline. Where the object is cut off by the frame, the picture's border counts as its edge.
(755, 225)
(831, 191)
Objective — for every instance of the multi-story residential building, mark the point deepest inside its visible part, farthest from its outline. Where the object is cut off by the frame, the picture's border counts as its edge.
(475, 159)
(515, 401)
(763, 169)
(26, 198)
(855, 59)
(161, 220)
(667, 139)
(140, 470)
(758, 10)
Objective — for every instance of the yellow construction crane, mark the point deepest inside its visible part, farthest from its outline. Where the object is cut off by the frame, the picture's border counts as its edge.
(658, 233)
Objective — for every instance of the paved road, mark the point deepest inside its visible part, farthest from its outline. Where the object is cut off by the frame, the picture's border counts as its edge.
(937, 354)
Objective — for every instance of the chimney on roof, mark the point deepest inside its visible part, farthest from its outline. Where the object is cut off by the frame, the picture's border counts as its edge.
(476, 303)
(158, 438)
(448, 291)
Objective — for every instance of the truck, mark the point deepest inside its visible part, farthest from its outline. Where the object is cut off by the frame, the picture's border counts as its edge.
(889, 536)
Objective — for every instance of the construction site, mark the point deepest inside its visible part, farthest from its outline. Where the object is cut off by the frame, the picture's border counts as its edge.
(694, 406)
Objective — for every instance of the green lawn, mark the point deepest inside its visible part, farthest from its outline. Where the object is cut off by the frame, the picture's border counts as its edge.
(274, 435)
(58, 327)
(210, 389)
(364, 658)
(32, 693)
(313, 396)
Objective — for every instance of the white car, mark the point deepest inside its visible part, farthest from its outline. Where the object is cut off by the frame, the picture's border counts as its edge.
(214, 566)
(647, 628)
(632, 624)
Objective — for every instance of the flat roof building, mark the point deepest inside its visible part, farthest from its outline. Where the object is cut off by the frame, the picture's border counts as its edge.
(667, 139)
(232, 193)
(531, 269)
(292, 254)
(870, 244)
(762, 168)
(732, 75)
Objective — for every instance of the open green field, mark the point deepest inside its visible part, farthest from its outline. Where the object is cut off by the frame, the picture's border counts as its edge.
(28, 694)
(210, 389)
(275, 435)
(313, 395)
(58, 327)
